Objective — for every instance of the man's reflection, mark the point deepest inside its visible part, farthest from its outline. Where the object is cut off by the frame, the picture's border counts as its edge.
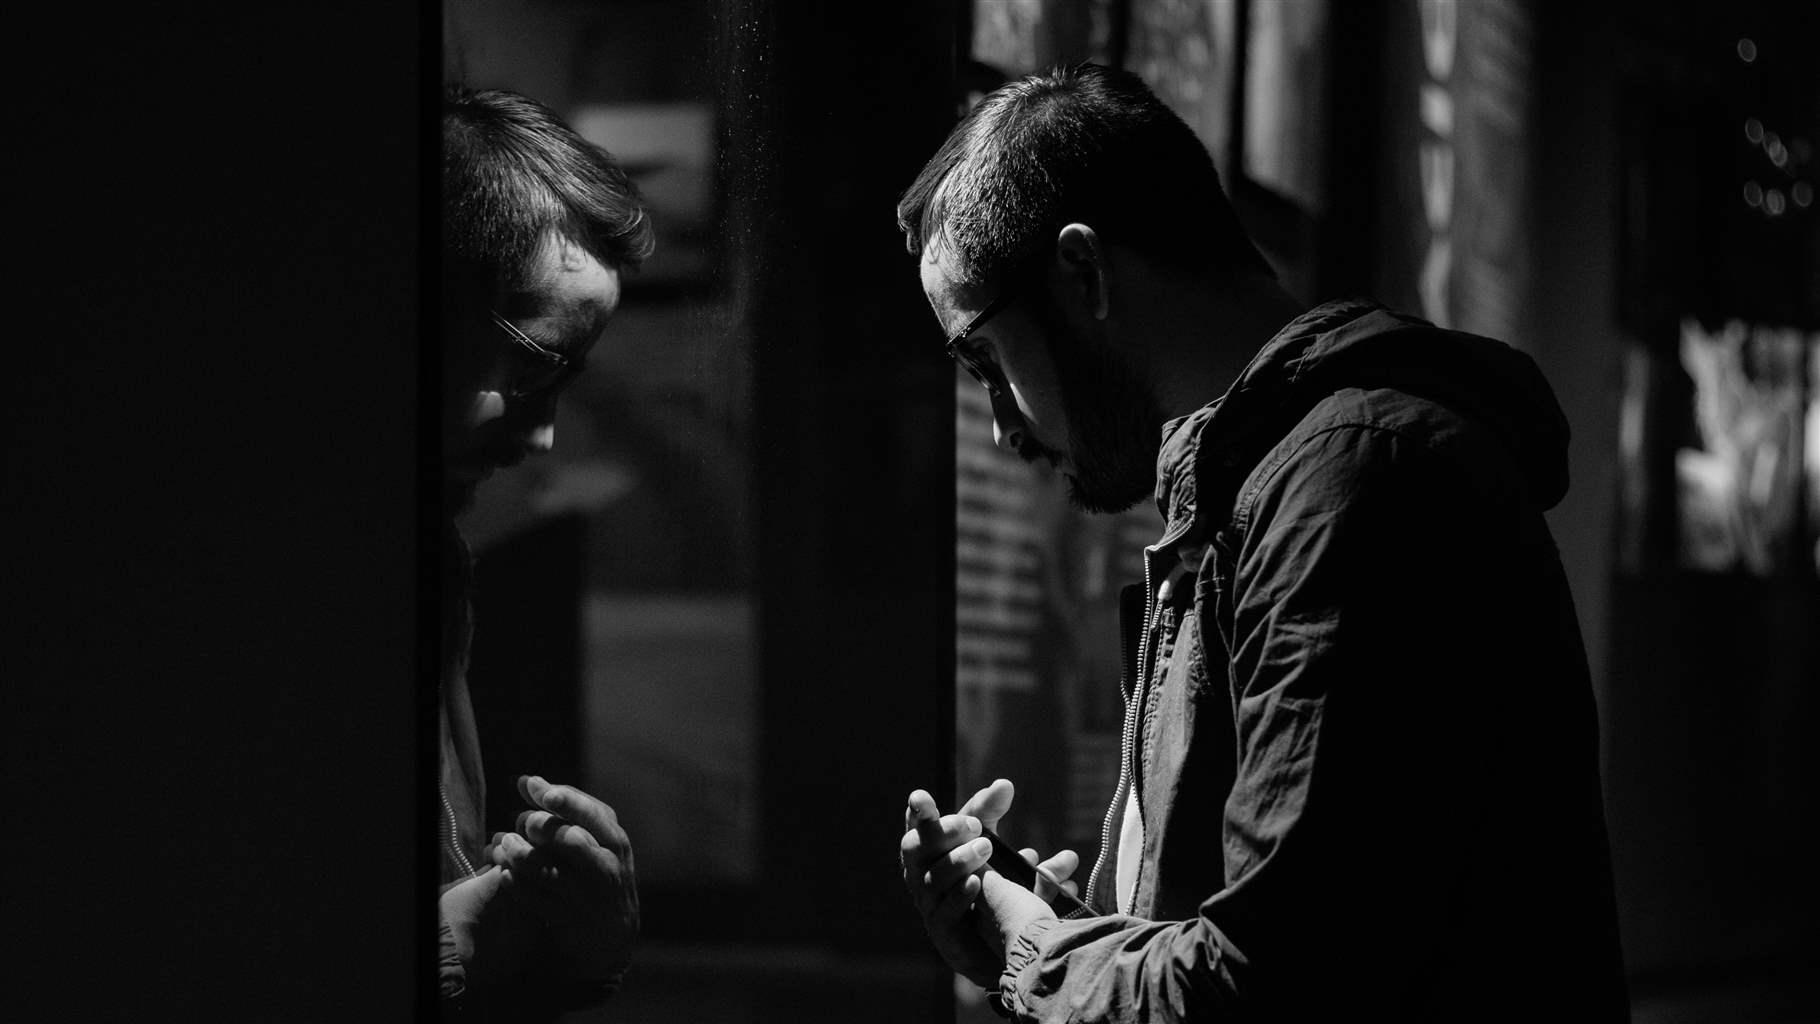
(538, 225)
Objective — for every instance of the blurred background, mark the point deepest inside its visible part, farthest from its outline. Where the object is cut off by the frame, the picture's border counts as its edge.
(776, 575)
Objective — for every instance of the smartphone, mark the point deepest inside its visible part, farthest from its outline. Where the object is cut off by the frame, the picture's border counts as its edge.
(1006, 861)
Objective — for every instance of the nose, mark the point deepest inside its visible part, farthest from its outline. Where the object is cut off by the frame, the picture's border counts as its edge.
(486, 407)
(1007, 422)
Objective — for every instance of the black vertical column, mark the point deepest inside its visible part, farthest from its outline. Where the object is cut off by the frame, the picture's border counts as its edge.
(829, 110)
(209, 482)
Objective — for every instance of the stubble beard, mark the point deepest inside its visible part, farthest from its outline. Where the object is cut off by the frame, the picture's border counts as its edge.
(457, 499)
(1115, 426)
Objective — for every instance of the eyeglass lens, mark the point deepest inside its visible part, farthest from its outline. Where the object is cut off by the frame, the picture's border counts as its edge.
(974, 367)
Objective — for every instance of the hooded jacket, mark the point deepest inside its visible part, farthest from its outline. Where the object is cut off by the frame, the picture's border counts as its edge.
(1360, 770)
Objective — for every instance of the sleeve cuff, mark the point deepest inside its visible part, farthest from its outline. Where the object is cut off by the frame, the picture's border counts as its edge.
(1024, 952)
(452, 974)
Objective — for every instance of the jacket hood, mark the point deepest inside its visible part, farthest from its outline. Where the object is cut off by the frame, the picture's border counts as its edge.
(1206, 455)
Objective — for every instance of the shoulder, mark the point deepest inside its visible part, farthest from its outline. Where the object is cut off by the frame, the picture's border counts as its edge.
(1325, 463)
(1358, 441)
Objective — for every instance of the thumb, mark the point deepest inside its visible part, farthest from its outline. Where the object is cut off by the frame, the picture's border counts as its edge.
(990, 804)
(465, 898)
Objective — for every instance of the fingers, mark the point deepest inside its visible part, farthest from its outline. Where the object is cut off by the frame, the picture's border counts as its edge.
(990, 803)
(565, 848)
(954, 867)
(545, 829)
(932, 838)
(1005, 907)
(939, 853)
(920, 807)
(530, 872)
(945, 910)
(516, 855)
(575, 807)
(1062, 865)
(1044, 886)
(567, 857)
(1053, 874)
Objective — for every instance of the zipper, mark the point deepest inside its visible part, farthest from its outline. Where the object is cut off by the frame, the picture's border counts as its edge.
(1134, 706)
(451, 832)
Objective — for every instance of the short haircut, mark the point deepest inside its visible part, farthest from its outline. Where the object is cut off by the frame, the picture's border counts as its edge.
(511, 172)
(1083, 143)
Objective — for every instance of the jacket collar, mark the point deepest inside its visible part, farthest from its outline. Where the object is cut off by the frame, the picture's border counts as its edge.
(1206, 454)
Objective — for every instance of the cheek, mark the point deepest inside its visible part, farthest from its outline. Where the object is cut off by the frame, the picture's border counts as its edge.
(1039, 401)
(465, 417)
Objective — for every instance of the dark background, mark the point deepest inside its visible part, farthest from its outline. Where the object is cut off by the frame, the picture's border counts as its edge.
(212, 458)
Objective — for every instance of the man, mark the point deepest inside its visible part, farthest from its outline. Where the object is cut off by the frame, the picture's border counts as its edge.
(1359, 770)
(538, 225)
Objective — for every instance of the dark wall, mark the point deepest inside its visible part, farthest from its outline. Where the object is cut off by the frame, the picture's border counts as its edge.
(1573, 325)
(833, 108)
(1706, 679)
(210, 478)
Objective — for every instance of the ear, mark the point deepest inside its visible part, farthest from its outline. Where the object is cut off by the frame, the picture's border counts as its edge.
(1081, 263)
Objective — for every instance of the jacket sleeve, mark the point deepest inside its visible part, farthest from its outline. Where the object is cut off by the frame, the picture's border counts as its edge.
(451, 976)
(1331, 687)
(531, 999)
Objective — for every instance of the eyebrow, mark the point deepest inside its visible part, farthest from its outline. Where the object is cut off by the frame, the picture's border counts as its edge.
(569, 333)
(543, 337)
(982, 320)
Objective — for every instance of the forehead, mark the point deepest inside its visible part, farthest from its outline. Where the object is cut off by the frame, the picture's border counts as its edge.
(565, 282)
(954, 303)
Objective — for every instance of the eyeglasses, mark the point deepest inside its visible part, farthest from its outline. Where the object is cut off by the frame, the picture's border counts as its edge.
(984, 371)
(544, 369)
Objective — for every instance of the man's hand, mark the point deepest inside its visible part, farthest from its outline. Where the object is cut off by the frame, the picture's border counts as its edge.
(493, 930)
(942, 856)
(1004, 909)
(572, 864)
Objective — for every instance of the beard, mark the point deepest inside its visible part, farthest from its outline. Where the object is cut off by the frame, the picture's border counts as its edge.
(457, 498)
(1115, 423)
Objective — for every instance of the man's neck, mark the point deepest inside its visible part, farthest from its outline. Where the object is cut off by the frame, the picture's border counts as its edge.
(1206, 334)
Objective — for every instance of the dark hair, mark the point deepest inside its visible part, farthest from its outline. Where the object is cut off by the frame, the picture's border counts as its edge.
(511, 171)
(1084, 143)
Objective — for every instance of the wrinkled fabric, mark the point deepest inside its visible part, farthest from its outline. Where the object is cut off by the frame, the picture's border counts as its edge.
(1367, 748)
(451, 975)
